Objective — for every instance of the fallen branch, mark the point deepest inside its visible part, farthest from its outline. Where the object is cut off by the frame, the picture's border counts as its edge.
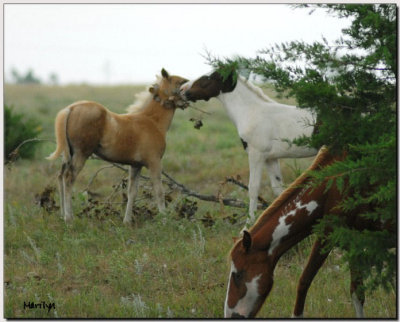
(264, 203)
(227, 202)
(13, 155)
(173, 184)
(95, 175)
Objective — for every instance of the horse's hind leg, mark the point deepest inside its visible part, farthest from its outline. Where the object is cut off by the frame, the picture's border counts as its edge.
(132, 191)
(61, 188)
(357, 292)
(315, 261)
(275, 176)
(155, 175)
(73, 167)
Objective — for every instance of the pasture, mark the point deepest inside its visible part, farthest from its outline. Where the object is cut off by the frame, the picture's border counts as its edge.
(172, 266)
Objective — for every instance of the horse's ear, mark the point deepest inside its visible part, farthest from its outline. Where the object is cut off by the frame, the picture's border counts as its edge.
(164, 73)
(246, 241)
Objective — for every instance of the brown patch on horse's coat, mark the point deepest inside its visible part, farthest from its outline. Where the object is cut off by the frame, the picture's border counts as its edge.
(319, 161)
(323, 158)
(210, 86)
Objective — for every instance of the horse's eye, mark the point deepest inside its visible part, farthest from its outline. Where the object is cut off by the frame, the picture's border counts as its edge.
(204, 82)
(237, 277)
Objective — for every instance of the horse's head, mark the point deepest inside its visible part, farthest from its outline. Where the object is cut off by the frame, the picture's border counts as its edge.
(207, 86)
(167, 90)
(250, 279)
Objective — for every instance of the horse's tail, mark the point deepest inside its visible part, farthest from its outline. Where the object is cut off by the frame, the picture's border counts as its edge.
(61, 135)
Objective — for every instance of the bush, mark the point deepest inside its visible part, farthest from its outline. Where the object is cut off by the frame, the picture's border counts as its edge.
(351, 86)
(17, 130)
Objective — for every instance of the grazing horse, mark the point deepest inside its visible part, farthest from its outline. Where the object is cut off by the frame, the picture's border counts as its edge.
(287, 221)
(264, 126)
(136, 139)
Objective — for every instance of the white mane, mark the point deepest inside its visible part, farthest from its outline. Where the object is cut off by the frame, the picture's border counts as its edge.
(142, 99)
(256, 90)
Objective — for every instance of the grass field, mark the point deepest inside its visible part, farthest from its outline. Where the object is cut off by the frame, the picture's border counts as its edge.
(172, 266)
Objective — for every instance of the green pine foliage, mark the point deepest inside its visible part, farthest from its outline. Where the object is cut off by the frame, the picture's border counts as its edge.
(351, 86)
(17, 129)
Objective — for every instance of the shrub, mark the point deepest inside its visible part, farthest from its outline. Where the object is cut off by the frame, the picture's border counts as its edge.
(17, 129)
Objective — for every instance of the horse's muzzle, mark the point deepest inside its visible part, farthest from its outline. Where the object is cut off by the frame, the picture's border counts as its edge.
(186, 95)
(237, 316)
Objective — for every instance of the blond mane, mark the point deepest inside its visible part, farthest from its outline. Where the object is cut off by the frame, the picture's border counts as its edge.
(256, 90)
(286, 194)
(142, 98)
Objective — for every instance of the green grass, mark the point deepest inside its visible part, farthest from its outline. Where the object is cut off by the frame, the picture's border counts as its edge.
(161, 266)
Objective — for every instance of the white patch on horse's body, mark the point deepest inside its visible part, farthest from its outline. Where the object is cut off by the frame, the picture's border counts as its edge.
(245, 303)
(357, 306)
(282, 229)
(266, 125)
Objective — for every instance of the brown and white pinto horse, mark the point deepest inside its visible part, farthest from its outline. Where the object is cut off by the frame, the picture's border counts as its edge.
(136, 139)
(287, 221)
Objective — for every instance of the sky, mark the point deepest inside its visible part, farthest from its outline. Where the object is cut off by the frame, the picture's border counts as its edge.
(130, 43)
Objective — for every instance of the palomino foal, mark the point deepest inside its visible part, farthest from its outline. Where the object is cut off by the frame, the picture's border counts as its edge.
(136, 139)
(287, 221)
(264, 126)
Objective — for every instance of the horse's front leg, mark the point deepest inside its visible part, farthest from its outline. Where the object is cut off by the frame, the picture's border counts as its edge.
(256, 161)
(275, 176)
(133, 184)
(155, 176)
(315, 261)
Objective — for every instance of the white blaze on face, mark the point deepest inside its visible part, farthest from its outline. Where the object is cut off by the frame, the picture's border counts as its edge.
(246, 304)
(228, 311)
(283, 229)
(185, 87)
(188, 85)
